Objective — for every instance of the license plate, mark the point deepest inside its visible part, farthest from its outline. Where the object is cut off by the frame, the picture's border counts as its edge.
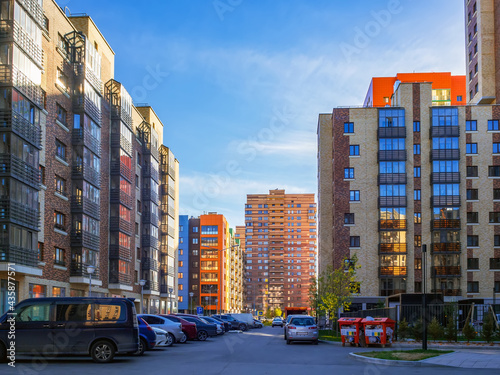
(301, 334)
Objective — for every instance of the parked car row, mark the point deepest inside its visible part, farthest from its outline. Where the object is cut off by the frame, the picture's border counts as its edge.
(102, 328)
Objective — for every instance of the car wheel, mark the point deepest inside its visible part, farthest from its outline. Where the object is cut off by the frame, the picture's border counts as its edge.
(242, 327)
(142, 347)
(170, 340)
(102, 351)
(183, 339)
(288, 342)
(202, 335)
(3, 353)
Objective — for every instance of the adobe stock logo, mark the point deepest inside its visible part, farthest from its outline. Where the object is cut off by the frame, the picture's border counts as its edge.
(363, 37)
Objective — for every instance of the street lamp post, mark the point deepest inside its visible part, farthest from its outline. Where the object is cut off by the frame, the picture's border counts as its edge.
(216, 305)
(142, 283)
(191, 294)
(424, 300)
(170, 290)
(90, 271)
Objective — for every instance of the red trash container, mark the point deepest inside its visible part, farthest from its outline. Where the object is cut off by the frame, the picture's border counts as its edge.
(349, 330)
(378, 331)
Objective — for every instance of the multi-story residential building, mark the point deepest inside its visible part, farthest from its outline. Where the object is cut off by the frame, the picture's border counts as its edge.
(183, 269)
(280, 250)
(482, 45)
(81, 175)
(394, 179)
(447, 89)
(234, 274)
(193, 275)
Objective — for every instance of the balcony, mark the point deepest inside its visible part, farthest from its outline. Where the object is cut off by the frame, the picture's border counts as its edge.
(33, 7)
(150, 218)
(151, 285)
(12, 166)
(83, 171)
(439, 271)
(446, 247)
(149, 150)
(149, 264)
(392, 178)
(10, 31)
(80, 269)
(80, 204)
(118, 196)
(149, 171)
(11, 76)
(445, 224)
(149, 195)
(149, 241)
(445, 177)
(18, 255)
(19, 214)
(81, 238)
(82, 103)
(392, 202)
(448, 292)
(445, 200)
(118, 112)
(393, 132)
(117, 168)
(119, 278)
(392, 155)
(117, 224)
(119, 141)
(392, 271)
(453, 154)
(444, 131)
(81, 137)
(84, 71)
(120, 252)
(391, 292)
(12, 121)
(392, 224)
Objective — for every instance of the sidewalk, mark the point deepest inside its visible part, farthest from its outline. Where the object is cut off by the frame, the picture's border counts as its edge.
(482, 358)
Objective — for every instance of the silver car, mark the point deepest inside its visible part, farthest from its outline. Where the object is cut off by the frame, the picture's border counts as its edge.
(174, 329)
(302, 328)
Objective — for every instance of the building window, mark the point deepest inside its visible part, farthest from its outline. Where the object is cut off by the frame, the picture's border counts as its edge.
(472, 194)
(416, 172)
(42, 174)
(59, 256)
(418, 263)
(349, 173)
(354, 195)
(62, 114)
(38, 291)
(348, 127)
(354, 150)
(62, 80)
(137, 229)
(459, 98)
(417, 217)
(471, 125)
(40, 251)
(472, 217)
(418, 240)
(473, 287)
(416, 194)
(471, 95)
(494, 171)
(209, 229)
(471, 148)
(497, 286)
(475, 48)
(418, 287)
(195, 264)
(492, 124)
(194, 252)
(195, 241)
(472, 263)
(496, 240)
(476, 88)
(195, 229)
(496, 194)
(416, 149)
(496, 148)
(59, 220)
(354, 241)
(60, 185)
(495, 217)
(472, 240)
(181, 263)
(180, 275)
(45, 24)
(60, 150)
(416, 126)
(58, 291)
(494, 263)
(349, 218)
(472, 171)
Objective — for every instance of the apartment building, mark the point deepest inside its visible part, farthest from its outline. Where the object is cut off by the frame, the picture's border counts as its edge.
(81, 179)
(482, 45)
(280, 250)
(411, 175)
(183, 268)
(234, 274)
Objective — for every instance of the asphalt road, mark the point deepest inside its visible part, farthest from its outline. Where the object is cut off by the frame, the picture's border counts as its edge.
(259, 351)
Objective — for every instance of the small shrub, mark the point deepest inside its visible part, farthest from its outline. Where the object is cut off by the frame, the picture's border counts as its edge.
(403, 330)
(417, 330)
(435, 329)
(488, 328)
(469, 331)
(450, 331)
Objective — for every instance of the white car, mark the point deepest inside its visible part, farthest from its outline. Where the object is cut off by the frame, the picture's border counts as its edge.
(161, 337)
(173, 329)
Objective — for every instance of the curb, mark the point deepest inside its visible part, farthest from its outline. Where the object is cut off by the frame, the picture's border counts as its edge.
(399, 346)
(389, 362)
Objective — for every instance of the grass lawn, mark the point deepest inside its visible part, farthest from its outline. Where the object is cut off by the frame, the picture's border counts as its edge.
(406, 355)
(328, 335)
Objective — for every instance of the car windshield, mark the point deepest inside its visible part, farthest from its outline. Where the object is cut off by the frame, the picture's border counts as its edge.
(204, 320)
(302, 322)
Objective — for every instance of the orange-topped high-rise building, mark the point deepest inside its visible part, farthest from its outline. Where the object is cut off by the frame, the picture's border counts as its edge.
(447, 89)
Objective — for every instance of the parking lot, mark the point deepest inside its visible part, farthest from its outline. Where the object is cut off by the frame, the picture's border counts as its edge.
(258, 351)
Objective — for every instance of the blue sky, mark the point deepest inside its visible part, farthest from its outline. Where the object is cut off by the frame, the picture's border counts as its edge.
(240, 83)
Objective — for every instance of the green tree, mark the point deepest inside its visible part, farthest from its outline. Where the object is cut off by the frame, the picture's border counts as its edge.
(488, 328)
(403, 330)
(450, 330)
(435, 329)
(313, 295)
(336, 286)
(469, 331)
(277, 311)
(269, 313)
(380, 304)
(417, 330)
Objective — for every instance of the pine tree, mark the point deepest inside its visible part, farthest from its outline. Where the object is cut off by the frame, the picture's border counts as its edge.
(450, 331)
(417, 330)
(488, 328)
(403, 330)
(469, 331)
(435, 329)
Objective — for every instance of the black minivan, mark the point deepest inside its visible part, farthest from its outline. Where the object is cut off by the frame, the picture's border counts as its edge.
(99, 327)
